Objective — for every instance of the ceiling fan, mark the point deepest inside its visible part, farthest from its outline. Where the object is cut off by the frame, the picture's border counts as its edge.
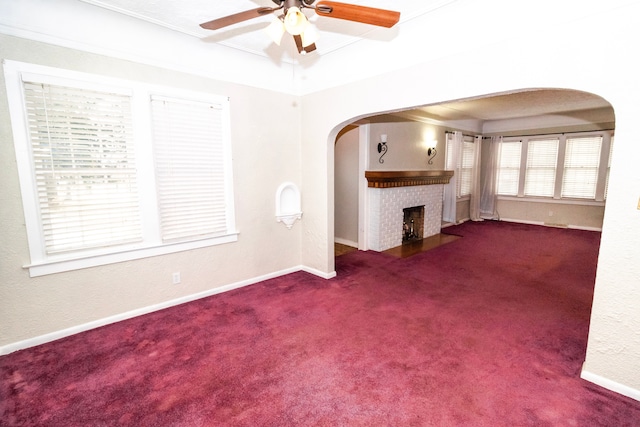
(293, 21)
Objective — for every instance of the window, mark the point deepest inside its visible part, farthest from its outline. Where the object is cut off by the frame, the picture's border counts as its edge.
(462, 164)
(540, 173)
(509, 168)
(582, 157)
(466, 167)
(112, 170)
(83, 160)
(189, 151)
(559, 167)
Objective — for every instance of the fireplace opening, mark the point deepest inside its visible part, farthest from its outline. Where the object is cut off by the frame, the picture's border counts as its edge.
(413, 224)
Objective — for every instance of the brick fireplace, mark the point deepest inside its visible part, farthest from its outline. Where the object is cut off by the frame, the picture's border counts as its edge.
(391, 192)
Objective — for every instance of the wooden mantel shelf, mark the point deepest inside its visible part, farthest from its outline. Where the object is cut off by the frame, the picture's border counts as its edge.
(390, 179)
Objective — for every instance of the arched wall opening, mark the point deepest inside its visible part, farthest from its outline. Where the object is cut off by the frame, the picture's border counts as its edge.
(526, 113)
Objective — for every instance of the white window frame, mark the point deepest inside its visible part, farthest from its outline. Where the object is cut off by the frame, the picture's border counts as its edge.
(518, 149)
(151, 244)
(605, 152)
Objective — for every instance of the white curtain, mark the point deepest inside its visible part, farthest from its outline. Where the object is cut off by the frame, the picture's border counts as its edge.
(454, 151)
(488, 199)
(474, 199)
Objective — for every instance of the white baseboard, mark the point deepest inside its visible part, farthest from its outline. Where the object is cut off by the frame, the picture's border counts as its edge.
(571, 226)
(52, 336)
(610, 385)
(345, 242)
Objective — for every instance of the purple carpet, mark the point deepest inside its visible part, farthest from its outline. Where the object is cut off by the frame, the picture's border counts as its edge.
(489, 330)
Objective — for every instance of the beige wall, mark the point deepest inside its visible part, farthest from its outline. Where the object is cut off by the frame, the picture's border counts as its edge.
(262, 153)
(406, 146)
(346, 186)
(587, 217)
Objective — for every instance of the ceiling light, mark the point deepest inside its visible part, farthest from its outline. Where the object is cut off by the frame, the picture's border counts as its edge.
(295, 22)
(275, 30)
(309, 36)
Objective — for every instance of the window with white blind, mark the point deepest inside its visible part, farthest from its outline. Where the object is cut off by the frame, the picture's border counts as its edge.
(81, 143)
(540, 174)
(559, 167)
(508, 174)
(463, 167)
(112, 170)
(581, 161)
(188, 146)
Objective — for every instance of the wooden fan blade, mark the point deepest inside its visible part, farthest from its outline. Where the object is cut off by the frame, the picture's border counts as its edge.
(352, 12)
(216, 24)
(302, 49)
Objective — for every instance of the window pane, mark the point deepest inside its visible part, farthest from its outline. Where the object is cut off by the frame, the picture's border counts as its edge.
(466, 168)
(189, 158)
(509, 168)
(540, 176)
(581, 167)
(83, 158)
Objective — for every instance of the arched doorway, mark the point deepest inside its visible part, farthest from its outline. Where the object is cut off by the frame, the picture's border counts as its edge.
(523, 113)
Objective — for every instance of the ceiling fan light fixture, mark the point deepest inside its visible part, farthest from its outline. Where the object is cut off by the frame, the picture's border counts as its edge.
(275, 30)
(309, 36)
(295, 22)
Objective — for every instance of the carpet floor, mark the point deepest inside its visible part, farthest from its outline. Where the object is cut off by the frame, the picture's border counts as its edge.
(487, 330)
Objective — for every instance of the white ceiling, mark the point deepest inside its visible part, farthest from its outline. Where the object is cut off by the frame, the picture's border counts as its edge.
(338, 38)
(186, 15)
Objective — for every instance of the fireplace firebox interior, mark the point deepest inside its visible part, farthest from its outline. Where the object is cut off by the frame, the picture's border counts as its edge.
(413, 224)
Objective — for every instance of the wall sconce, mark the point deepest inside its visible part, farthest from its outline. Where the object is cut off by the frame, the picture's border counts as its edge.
(431, 151)
(382, 146)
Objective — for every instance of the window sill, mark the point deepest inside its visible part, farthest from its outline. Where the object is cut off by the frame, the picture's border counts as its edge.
(583, 202)
(68, 264)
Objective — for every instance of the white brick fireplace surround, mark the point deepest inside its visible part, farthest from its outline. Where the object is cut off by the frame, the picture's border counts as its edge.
(391, 192)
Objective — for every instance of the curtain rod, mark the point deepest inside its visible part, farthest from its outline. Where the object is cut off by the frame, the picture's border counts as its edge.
(556, 133)
(464, 134)
(536, 134)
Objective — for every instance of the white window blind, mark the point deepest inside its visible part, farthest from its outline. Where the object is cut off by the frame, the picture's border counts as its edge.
(465, 168)
(582, 157)
(461, 163)
(189, 158)
(83, 160)
(509, 168)
(540, 175)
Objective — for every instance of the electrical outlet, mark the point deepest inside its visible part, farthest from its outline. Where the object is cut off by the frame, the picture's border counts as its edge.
(176, 278)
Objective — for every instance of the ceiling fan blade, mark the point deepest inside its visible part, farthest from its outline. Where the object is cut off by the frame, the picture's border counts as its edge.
(216, 24)
(352, 12)
(302, 49)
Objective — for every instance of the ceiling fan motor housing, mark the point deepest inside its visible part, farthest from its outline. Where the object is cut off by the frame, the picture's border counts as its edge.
(294, 2)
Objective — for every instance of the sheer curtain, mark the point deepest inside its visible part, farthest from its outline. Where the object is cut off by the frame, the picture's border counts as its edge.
(488, 199)
(475, 195)
(454, 151)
